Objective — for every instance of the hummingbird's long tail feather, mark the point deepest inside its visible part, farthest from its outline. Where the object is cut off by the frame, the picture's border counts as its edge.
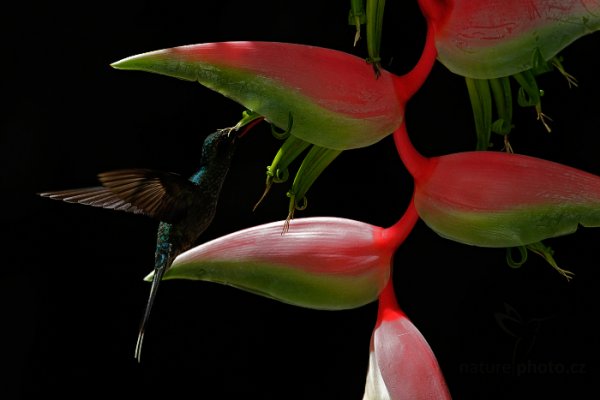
(158, 274)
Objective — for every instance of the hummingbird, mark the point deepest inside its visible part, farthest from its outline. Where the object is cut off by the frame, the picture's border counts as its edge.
(184, 207)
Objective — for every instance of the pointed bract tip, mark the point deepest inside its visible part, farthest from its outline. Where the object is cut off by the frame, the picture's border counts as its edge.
(129, 63)
(120, 64)
(138, 61)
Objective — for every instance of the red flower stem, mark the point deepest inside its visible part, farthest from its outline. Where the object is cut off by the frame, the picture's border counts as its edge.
(397, 233)
(407, 85)
(388, 305)
(414, 162)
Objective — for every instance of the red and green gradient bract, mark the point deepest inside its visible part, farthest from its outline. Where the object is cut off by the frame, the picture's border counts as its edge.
(494, 38)
(320, 263)
(496, 199)
(334, 99)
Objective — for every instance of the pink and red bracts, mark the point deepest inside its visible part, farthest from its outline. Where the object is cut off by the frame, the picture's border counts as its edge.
(402, 365)
(321, 262)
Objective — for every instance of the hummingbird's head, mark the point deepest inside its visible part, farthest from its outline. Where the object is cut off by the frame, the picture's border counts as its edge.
(219, 146)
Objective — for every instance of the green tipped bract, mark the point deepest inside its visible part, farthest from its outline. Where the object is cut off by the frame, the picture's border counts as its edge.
(320, 263)
(334, 98)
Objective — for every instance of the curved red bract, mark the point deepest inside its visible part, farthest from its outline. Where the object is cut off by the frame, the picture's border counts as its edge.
(487, 39)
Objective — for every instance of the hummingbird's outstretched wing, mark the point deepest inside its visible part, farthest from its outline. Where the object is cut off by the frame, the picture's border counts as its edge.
(98, 196)
(161, 195)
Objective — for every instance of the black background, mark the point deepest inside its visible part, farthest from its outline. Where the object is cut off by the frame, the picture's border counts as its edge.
(71, 286)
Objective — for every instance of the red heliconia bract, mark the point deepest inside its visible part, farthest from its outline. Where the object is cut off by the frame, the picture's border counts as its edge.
(496, 199)
(324, 99)
(487, 39)
(321, 262)
(332, 98)
(402, 365)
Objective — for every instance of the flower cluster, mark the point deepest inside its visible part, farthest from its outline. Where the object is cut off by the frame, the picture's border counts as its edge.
(322, 102)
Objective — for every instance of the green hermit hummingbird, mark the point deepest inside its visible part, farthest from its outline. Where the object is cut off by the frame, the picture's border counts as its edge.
(184, 207)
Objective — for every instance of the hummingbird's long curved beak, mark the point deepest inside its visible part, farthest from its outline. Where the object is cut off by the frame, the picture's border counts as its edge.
(158, 275)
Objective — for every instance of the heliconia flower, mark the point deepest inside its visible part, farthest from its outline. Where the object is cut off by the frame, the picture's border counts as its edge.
(497, 199)
(322, 98)
(402, 365)
(321, 262)
(486, 41)
(333, 97)
(493, 38)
